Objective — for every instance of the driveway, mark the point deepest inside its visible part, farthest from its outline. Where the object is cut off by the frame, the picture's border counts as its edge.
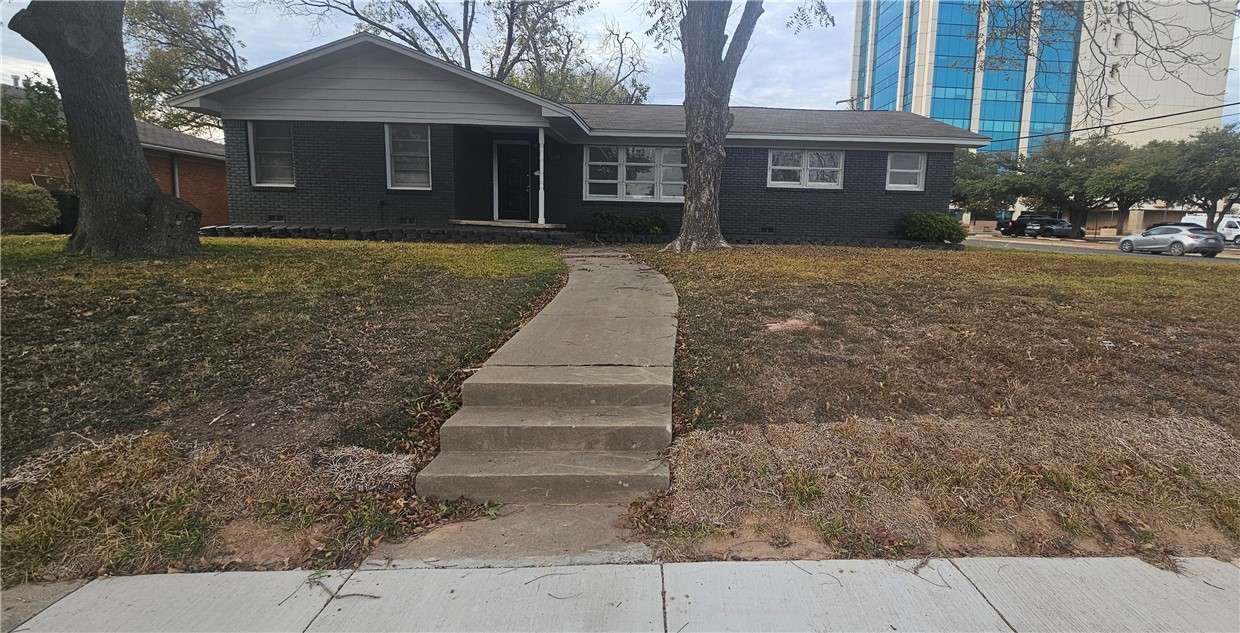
(1087, 247)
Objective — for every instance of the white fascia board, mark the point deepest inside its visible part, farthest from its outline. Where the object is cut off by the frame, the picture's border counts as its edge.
(183, 152)
(600, 136)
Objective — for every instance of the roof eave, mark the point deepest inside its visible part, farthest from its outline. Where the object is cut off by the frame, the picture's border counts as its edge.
(979, 141)
(179, 150)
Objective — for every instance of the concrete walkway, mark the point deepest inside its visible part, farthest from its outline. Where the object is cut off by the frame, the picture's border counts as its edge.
(577, 405)
(969, 594)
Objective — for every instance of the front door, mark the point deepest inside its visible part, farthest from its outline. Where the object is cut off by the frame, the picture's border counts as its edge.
(512, 180)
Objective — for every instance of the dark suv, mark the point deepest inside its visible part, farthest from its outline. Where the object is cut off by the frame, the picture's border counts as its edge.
(1048, 227)
(1020, 226)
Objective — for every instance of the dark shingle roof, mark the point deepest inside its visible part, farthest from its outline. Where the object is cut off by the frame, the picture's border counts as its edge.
(151, 135)
(774, 121)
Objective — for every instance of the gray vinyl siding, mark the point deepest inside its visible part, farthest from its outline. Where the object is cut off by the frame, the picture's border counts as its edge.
(382, 86)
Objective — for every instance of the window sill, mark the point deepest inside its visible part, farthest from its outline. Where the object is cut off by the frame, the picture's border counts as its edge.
(905, 190)
(771, 187)
(633, 200)
(262, 187)
(408, 189)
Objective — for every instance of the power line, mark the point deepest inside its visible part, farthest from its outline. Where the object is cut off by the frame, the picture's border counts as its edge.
(1159, 127)
(1100, 127)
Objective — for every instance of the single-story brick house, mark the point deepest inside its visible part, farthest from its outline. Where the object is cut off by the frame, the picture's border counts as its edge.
(367, 132)
(186, 166)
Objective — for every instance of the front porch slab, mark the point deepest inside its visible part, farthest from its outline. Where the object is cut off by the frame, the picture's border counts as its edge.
(509, 224)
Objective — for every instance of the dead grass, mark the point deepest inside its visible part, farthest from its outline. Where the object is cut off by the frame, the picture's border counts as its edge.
(276, 397)
(943, 402)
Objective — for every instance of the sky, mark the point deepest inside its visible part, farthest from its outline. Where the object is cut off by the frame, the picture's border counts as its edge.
(811, 69)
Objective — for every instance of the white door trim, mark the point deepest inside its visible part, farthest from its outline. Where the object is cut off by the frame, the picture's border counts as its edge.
(495, 176)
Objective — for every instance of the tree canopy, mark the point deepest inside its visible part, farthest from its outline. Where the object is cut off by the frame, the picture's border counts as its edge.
(1203, 172)
(174, 47)
(535, 45)
(984, 182)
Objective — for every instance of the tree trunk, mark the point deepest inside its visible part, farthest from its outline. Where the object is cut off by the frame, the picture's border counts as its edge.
(1079, 219)
(709, 75)
(123, 212)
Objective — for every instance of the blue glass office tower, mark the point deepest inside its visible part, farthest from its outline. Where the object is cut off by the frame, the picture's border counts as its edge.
(922, 56)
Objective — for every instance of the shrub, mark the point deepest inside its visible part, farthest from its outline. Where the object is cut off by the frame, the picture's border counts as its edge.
(26, 207)
(934, 227)
(649, 223)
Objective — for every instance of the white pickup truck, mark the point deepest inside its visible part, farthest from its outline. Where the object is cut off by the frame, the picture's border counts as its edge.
(1229, 226)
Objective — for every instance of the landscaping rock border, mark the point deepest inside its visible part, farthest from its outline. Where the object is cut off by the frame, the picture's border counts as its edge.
(520, 236)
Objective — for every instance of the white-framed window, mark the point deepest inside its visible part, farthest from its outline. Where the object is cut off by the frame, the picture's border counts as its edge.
(814, 168)
(651, 174)
(906, 172)
(408, 155)
(271, 154)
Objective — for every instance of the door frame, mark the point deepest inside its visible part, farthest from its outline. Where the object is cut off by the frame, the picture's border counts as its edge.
(495, 178)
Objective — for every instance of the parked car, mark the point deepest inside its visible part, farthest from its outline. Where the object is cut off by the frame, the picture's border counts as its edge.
(1176, 240)
(1018, 226)
(1051, 227)
(1228, 226)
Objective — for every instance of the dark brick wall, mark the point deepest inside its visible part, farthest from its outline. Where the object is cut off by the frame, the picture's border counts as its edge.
(862, 208)
(341, 178)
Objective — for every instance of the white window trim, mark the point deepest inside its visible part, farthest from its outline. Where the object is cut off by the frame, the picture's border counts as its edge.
(921, 172)
(249, 126)
(804, 169)
(621, 196)
(387, 151)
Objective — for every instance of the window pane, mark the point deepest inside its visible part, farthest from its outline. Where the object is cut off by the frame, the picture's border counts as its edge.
(824, 176)
(273, 144)
(673, 156)
(411, 163)
(603, 189)
(411, 178)
(604, 172)
(638, 173)
(673, 191)
(409, 132)
(824, 159)
(786, 159)
(910, 178)
(604, 154)
(643, 155)
(271, 129)
(418, 148)
(277, 174)
(673, 174)
(906, 161)
(786, 175)
(639, 190)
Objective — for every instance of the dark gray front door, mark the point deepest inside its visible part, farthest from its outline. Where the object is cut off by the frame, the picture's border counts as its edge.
(512, 181)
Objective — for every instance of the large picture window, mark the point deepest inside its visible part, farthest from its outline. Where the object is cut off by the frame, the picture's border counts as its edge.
(271, 154)
(823, 169)
(409, 155)
(653, 174)
(906, 172)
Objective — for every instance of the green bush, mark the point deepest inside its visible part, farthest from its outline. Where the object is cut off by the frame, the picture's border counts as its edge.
(934, 227)
(649, 223)
(26, 207)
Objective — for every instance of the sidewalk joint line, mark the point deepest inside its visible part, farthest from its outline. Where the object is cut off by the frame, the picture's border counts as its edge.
(983, 595)
(663, 595)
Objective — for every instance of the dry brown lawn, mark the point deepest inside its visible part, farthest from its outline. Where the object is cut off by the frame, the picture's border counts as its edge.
(262, 405)
(873, 402)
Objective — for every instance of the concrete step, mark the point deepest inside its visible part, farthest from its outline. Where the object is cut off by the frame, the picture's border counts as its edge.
(557, 429)
(543, 476)
(567, 386)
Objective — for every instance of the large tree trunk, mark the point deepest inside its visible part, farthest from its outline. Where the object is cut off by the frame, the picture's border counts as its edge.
(123, 212)
(709, 75)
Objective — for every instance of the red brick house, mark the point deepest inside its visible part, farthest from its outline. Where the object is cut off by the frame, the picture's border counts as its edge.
(185, 166)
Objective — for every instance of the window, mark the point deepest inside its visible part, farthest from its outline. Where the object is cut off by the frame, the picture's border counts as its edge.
(271, 154)
(408, 155)
(906, 172)
(635, 173)
(805, 168)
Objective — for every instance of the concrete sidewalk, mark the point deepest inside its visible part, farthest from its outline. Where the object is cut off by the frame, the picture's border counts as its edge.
(969, 594)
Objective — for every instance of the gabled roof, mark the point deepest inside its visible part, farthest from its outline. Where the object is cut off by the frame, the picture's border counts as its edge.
(152, 136)
(600, 120)
(754, 122)
(200, 98)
